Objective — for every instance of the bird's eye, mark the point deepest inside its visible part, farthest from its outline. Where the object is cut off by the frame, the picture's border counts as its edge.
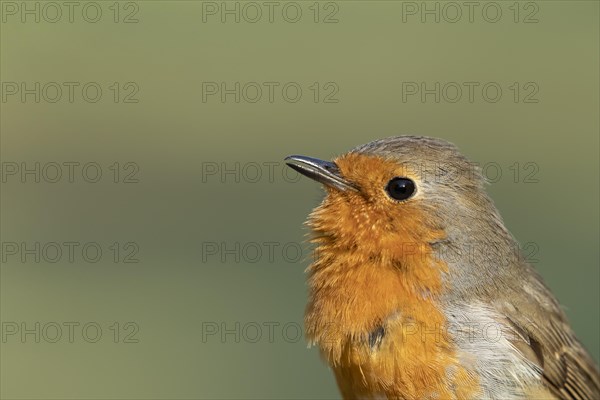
(400, 188)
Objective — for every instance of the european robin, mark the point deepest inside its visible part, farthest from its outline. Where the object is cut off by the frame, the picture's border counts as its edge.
(418, 291)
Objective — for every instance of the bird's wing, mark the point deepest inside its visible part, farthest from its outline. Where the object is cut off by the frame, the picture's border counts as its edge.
(546, 339)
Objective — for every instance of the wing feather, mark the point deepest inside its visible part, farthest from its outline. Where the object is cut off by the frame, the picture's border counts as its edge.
(568, 370)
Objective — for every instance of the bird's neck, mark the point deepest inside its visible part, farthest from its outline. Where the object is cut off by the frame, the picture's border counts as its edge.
(374, 308)
(360, 279)
(375, 321)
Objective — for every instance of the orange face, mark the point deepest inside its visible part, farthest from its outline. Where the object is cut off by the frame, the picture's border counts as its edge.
(396, 232)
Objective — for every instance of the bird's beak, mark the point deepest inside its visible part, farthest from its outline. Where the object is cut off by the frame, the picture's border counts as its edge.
(325, 172)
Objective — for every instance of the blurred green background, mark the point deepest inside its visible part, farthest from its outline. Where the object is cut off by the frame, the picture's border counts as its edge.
(158, 65)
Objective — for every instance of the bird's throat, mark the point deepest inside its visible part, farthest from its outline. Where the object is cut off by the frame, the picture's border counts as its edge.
(365, 282)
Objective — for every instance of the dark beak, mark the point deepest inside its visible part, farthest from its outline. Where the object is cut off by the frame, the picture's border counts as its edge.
(325, 172)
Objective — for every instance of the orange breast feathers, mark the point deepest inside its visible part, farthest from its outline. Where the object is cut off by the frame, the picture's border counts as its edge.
(375, 272)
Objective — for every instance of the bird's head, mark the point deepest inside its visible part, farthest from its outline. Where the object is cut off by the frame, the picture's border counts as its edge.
(398, 195)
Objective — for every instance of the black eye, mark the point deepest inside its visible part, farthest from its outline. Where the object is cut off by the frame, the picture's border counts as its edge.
(400, 188)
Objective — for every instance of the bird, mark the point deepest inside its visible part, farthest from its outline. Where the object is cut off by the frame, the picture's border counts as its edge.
(417, 290)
